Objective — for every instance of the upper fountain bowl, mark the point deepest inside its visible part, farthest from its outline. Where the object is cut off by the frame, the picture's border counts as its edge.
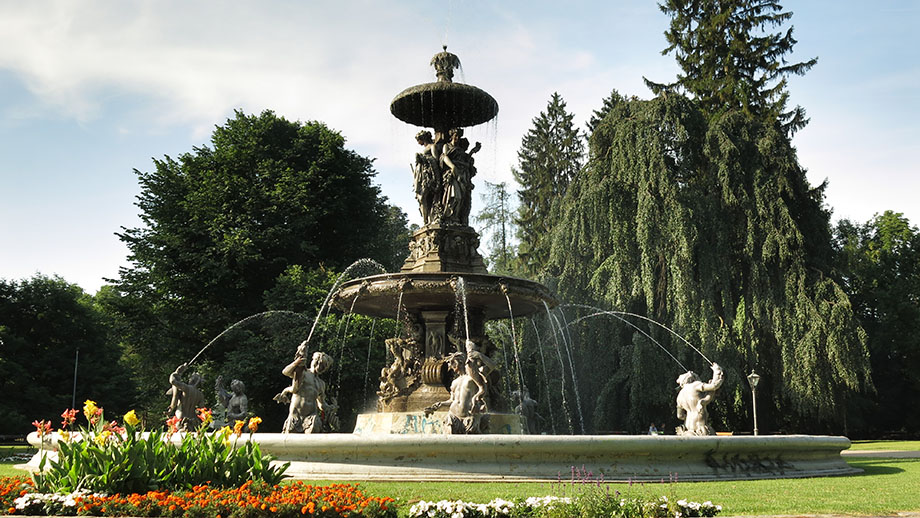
(444, 105)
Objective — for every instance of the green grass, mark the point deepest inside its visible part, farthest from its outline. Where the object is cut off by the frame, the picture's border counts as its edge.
(886, 486)
(886, 445)
(6, 467)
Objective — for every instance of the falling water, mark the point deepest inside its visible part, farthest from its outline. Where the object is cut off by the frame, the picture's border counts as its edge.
(615, 314)
(565, 407)
(250, 317)
(599, 311)
(517, 358)
(367, 366)
(568, 350)
(348, 318)
(461, 298)
(338, 282)
(398, 308)
(552, 417)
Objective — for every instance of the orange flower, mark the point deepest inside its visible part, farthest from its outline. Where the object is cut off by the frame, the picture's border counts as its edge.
(42, 427)
(173, 424)
(254, 424)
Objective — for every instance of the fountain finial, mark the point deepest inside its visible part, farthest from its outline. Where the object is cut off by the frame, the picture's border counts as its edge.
(444, 64)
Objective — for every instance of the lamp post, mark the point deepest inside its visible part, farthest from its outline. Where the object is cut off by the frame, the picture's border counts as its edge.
(754, 379)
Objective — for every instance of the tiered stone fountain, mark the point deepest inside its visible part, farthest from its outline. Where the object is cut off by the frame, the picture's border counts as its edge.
(443, 292)
(404, 439)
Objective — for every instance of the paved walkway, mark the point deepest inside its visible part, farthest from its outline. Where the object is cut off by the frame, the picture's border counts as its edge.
(893, 454)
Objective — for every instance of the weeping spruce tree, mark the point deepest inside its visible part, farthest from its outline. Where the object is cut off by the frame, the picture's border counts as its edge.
(694, 211)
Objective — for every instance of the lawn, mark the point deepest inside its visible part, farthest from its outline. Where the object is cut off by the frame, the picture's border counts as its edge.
(885, 487)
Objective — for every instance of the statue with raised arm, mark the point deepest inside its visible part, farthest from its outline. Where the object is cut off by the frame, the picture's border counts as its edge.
(186, 398)
(307, 393)
(465, 411)
(692, 400)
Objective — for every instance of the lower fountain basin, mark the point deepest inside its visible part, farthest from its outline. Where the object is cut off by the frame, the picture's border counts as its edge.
(516, 458)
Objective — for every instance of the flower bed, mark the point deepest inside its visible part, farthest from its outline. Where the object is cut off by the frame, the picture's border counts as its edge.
(17, 497)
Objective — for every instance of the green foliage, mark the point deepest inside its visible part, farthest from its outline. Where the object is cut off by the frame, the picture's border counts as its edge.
(880, 264)
(497, 220)
(730, 60)
(44, 323)
(102, 458)
(549, 159)
(709, 226)
(261, 220)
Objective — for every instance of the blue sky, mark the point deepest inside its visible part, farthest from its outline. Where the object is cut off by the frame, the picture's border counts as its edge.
(91, 90)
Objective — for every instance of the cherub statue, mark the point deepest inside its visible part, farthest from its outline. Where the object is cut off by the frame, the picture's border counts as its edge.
(186, 398)
(692, 400)
(307, 393)
(234, 402)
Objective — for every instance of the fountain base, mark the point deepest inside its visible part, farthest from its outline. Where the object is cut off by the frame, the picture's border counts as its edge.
(517, 458)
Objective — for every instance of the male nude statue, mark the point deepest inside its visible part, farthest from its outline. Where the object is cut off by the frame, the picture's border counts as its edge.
(307, 393)
(464, 415)
(186, 398)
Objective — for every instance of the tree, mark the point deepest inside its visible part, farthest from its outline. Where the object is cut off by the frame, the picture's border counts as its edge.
(730, 60)
(224, 225)
(880, 264)
(497, 220)
(549, 159)
(45, 323)
(709, 226)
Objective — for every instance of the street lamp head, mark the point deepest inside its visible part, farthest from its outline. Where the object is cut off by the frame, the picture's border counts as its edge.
(753, 379)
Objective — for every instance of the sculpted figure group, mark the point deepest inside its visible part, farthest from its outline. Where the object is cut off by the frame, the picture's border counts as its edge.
(443, 177)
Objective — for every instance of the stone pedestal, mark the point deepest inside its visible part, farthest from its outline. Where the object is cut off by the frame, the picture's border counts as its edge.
(437, 248)
(411, 423)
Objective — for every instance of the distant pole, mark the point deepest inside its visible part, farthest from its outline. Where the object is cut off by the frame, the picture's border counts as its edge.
(753, 379)
(76, 361)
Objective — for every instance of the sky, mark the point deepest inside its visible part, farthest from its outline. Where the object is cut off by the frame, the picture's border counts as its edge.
(91, 91)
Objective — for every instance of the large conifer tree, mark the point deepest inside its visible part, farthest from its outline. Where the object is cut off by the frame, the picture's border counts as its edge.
(550, 157)
(730, 60)
(698, 215)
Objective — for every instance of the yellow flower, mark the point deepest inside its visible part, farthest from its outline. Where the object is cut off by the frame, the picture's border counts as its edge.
(131, 418)
(65, 435)
(102, 437)
(254, 424)
(89, 408)
(224, 434)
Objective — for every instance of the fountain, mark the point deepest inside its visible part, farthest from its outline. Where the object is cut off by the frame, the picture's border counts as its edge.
(444, 295)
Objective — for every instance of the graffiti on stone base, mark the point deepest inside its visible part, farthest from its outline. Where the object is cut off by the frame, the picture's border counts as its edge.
(750, 464)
